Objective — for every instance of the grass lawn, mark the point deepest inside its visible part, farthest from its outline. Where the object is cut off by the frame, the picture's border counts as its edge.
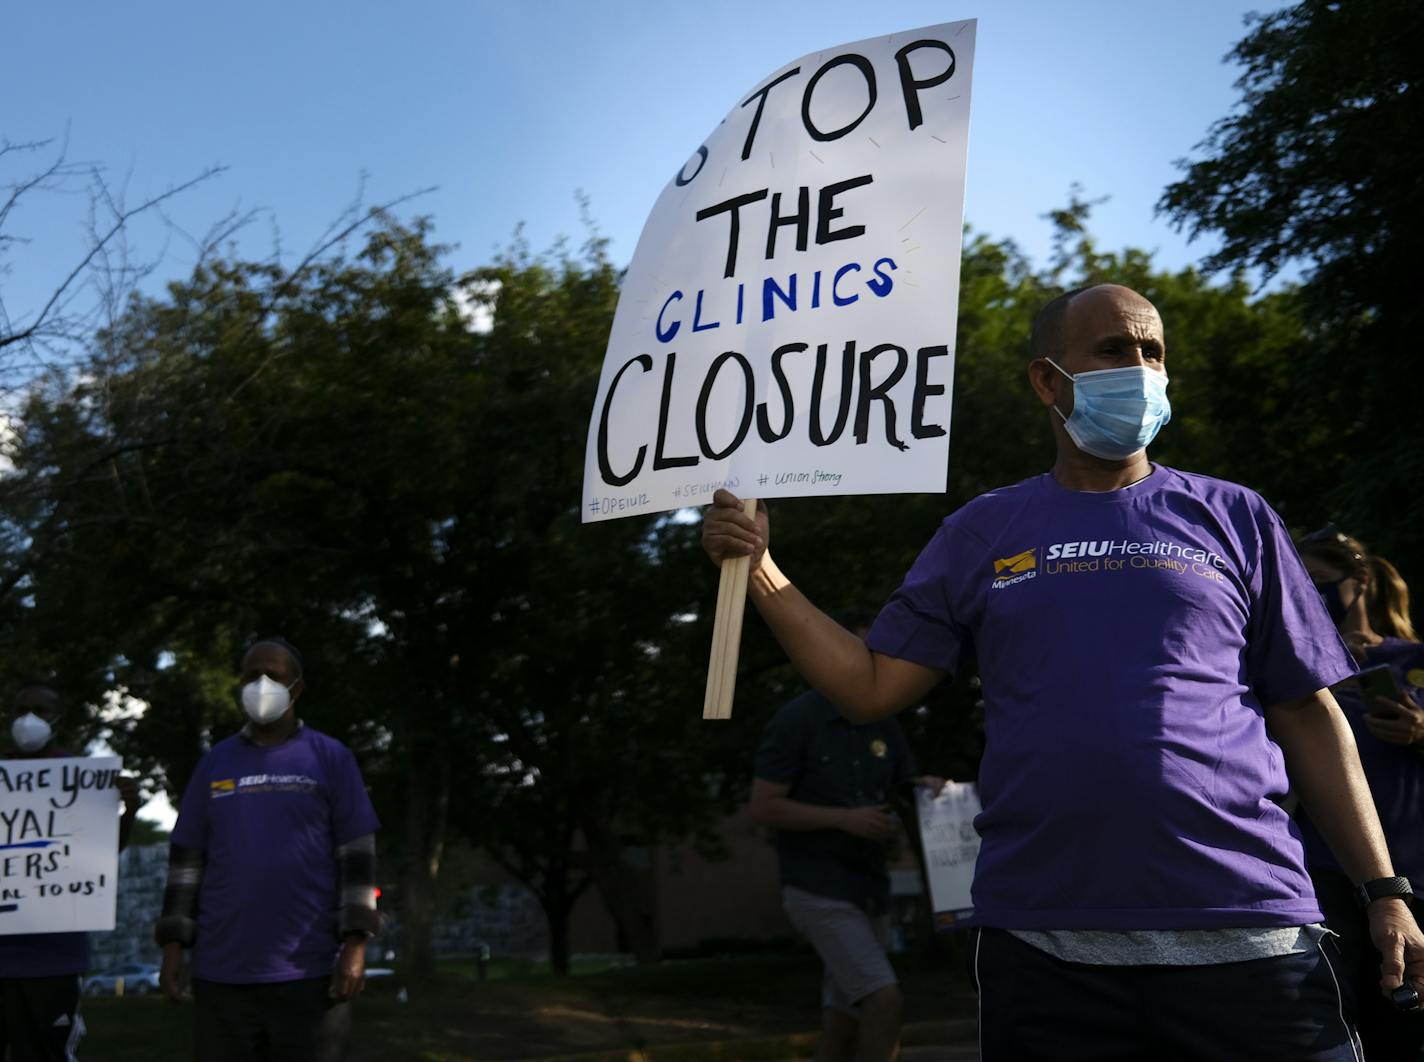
(523, 1012)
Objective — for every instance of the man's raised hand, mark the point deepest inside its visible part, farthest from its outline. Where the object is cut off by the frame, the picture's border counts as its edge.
(729, 532)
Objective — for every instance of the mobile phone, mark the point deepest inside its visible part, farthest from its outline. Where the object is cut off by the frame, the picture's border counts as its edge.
(1378, 681)
(1405, 997)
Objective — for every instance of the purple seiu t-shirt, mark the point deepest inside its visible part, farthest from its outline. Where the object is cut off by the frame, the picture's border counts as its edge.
(270, 819)
(1126, 642)
(1395, 772)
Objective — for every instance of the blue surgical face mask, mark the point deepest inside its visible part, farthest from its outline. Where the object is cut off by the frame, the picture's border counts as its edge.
(1116, 412)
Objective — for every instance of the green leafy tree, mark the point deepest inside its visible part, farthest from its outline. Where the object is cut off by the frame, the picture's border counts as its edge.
(341, 458)
(1320, 165)
(600, 635)
(253, 454)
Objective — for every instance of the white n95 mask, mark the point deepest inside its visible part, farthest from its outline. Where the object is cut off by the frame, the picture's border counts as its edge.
(265, 700)
(31, 733)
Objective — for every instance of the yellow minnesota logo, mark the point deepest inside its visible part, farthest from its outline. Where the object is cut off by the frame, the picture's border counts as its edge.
(1008, 567)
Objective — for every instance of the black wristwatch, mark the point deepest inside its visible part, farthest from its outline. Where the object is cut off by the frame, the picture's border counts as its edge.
(1382, 888)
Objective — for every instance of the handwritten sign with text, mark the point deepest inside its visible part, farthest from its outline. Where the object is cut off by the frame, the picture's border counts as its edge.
(786, 326)
(951, 847)
(59, 843)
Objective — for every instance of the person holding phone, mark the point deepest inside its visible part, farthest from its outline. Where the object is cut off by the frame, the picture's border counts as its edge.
(1369, 603)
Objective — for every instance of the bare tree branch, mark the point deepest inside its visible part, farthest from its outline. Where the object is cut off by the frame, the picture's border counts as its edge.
(52, 178)
(122, 217)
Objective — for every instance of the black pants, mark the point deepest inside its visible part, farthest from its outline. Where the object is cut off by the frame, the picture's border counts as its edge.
(288, 1021)
(1388, 1035)
(39, 1018)
(1033, 1006)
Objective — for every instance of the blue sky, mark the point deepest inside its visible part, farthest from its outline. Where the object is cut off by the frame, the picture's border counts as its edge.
(511, 107)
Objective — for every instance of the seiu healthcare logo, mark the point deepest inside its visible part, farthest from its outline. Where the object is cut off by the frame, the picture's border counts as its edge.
(264, 783)
(1016, 569)
(1125, 548)
(268, 782)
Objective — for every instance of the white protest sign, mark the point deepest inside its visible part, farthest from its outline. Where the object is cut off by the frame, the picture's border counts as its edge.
(786, 326)
(951, 846)
(59, 844)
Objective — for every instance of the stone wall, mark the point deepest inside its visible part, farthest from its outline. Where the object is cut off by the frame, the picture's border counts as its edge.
(142, 872)
(506, 917)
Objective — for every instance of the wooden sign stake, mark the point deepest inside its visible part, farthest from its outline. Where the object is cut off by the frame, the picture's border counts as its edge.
(727, 632)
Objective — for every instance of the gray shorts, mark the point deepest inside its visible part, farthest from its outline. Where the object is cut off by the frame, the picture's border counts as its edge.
(850, 942)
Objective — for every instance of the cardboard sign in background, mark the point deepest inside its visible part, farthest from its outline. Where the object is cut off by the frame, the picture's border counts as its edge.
(59, 844)
(786, 326)
(951, 847)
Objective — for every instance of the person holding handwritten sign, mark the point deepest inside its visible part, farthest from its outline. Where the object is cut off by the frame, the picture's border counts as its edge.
(271, 880)
(40, 972)
(1153, 658)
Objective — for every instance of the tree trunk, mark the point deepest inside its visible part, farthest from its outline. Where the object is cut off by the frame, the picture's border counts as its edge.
(558, 902)
(629, 892)
(557, 913)
(426, 816)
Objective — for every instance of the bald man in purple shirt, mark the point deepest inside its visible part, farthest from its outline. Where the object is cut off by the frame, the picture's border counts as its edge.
(1154, 661)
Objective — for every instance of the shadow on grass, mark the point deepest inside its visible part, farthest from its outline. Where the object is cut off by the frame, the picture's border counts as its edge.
(753, 1006)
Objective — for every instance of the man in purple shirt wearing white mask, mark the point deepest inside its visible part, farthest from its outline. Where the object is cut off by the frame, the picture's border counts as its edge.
(271, 880)
(1154, 661)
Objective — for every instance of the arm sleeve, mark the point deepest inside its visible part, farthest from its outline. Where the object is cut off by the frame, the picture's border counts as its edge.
(353, 829)
(356, 866)
(187, 854)
(919, 623)
(1293, 649)
(179, 921)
